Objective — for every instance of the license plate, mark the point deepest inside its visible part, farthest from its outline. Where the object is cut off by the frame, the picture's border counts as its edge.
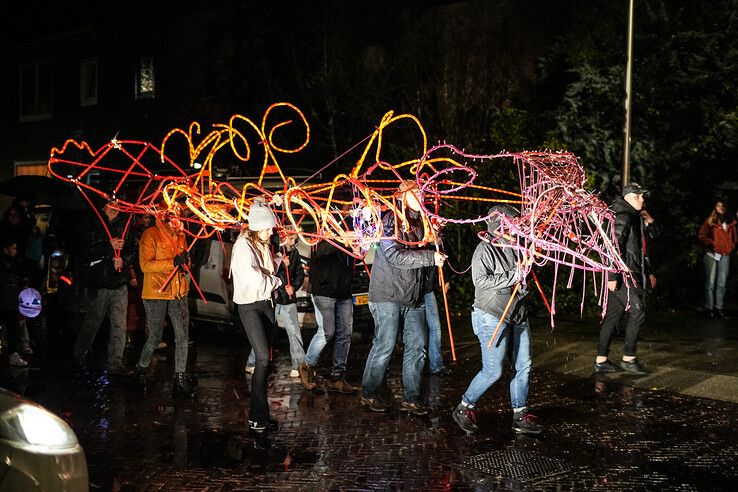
(361, 300)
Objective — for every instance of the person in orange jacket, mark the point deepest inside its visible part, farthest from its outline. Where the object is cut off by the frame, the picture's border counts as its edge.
(162, 249)
(718, 234)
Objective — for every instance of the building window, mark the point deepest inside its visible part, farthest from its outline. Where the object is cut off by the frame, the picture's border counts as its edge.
(31, 169)
(145, 78)
(35, 91)
(88, 83)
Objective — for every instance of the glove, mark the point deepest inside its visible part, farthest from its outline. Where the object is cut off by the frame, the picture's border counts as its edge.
(182, 258)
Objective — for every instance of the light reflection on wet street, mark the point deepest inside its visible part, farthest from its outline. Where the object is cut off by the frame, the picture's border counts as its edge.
(600, 433)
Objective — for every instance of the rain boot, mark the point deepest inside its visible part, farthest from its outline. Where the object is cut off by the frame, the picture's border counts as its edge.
(182, 387)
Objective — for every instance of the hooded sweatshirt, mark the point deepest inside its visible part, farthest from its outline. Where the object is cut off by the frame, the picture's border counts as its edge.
(494, 276)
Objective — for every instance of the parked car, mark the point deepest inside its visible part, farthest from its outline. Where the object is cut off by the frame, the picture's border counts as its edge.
(38, 450)
(217, 288)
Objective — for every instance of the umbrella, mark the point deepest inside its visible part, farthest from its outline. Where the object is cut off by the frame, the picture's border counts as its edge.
(42, 190)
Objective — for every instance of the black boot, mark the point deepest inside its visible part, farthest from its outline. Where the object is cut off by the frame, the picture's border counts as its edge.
(182, 387)
(142, 377)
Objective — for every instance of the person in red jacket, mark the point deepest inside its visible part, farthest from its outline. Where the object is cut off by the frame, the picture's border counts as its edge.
(718, 234)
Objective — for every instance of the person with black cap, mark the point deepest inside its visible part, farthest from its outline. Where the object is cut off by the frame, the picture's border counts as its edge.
(627, 289)
(495, 278)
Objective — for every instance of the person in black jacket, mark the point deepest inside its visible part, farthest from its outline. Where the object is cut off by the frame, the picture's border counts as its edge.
(626, 289)
(331, 273)
(292, 275)
(397, 296)
(105, 262)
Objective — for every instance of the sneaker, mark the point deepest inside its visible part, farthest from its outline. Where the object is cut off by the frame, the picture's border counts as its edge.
(634, 367)
(29, 350)
(258, 426)
(16, 360)
(465, 418)
(525, 423)
(606, 367)
(414, 408)
(249, 369)
(294, 373)
(374, 404)
(307, 376)
(720, 314)
(340, 385)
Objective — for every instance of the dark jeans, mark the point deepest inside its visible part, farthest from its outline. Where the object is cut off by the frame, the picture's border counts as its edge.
(616, 304)
(335, 319)
(112, 303)
(388, 316)
(258, 319)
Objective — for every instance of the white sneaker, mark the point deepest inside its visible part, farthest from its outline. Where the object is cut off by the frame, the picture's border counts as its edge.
(17, 360)
(249, 369)
(294, 373)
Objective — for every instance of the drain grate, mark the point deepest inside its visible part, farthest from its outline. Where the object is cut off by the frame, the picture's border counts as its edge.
(517, 465)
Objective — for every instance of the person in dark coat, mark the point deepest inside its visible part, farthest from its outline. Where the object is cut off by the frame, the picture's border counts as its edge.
(105, 261)
(10, 287)
(331, 274)
(627, 288)
(397, 298)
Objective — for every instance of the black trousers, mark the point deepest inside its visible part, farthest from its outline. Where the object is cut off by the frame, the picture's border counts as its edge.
(616, 304)
(258, 320)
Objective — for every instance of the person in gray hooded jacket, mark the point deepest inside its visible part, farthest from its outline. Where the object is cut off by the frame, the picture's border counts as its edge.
(495, 277)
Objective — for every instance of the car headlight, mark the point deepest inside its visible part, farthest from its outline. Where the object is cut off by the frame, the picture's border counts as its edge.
(38, 427)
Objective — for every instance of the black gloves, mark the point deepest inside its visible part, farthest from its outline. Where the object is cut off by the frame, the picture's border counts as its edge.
(182, 258)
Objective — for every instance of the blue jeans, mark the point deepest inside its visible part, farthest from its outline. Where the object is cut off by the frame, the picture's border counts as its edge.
(716, 275)
(435, 359)
(335, 319)
(286, 316)
(513, 341)
(387, 318)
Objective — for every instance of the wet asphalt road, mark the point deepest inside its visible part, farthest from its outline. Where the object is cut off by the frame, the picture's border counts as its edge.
(601, 433)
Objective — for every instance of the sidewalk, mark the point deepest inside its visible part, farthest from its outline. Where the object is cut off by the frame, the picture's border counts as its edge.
(600, 433)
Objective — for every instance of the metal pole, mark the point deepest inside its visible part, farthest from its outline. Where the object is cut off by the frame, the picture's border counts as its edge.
(625, 175)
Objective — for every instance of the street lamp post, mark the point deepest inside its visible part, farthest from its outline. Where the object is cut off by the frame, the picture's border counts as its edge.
(625, 174)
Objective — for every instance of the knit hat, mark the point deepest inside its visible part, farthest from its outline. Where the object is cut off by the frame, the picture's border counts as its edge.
(29, 303)
(261, 216)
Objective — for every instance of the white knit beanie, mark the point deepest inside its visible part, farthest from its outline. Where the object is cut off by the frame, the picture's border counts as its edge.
(261, 216)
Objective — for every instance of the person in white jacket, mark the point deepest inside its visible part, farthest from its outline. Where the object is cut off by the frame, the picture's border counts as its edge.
(254, 268)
